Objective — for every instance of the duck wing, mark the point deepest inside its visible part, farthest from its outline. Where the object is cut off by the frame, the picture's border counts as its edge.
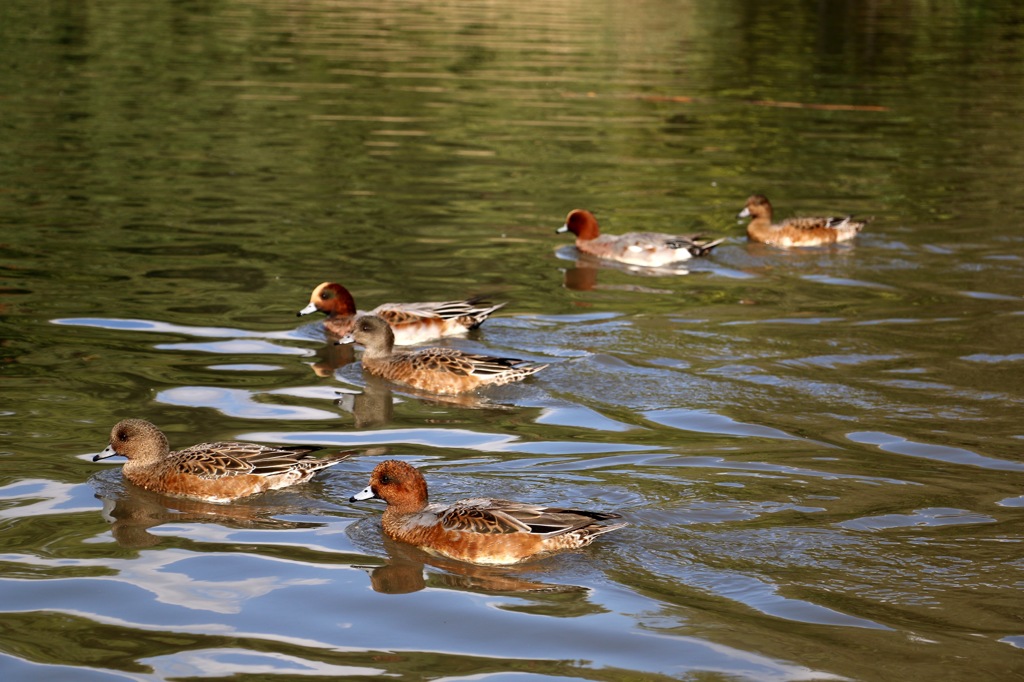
(457, 362)
(480, 516)
(696, 244)
(406, 313)
(225, 459)
(503, 516)
(817, 223)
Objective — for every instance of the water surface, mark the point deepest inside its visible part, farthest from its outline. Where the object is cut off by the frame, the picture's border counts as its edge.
(818, 451)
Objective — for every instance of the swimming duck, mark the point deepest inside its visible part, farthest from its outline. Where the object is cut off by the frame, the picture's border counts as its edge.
(650, 249)
(795, 231)
(411, 322)
(479, 530)
(214, 472)
(439, 370)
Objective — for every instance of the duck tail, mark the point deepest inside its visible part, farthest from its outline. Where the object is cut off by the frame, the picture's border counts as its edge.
(700, 249)
(586, 535)
(476, 316)
(846, 227)
(470, 313)
(518, 373)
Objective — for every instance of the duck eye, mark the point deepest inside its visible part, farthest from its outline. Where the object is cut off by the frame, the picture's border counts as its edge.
(122, 436)
(326, 295)
(385, 480)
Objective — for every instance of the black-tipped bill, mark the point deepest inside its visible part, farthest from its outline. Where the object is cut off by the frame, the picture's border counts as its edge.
(107, 452)
(563, 228)
(364, 494)
(311, 308)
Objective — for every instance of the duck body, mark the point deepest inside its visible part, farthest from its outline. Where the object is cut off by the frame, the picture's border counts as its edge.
(809, 231)
(412, 323)
(478, 530)
(213, 472)
(445, 371)
(648, 249)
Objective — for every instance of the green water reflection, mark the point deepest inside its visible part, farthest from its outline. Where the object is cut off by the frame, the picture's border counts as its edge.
(818, 452)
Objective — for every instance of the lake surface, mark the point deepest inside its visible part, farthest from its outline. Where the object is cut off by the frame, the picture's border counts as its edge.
(820, 452)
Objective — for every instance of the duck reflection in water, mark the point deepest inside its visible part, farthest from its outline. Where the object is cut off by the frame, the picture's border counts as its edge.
(584, 275)
(375, 404)
(132, 511)
(333, 357)
(409, 569)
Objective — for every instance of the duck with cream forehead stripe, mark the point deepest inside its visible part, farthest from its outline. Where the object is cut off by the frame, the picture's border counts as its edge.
(411, 322)
(648, 249)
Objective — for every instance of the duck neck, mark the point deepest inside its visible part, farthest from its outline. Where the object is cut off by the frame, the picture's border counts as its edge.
(155, 455)
(379, 352)
(381, 346)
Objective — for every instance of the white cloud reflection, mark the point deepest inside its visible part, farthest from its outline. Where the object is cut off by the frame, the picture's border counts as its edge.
(235, 661)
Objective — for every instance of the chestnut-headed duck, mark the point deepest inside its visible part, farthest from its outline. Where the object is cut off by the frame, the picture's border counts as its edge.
(446, 371)
(650, 249)
(411, 322)
(795, 231)
(480, 530)
(214, 472)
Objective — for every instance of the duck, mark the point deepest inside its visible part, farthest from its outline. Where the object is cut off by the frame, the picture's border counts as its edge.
(212, 472)
(648, 249)
(412, 322)
(795, 231)
(445, 371)
(480, 530)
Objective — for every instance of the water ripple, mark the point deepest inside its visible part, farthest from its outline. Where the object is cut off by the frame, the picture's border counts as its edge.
(235, 661)
(236, 402)
(442, 438)
(932, 517)
(941, 453)
(134, 325)
(704, 421)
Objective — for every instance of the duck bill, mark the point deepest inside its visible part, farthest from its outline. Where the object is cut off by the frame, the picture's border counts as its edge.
(311, 308)
(107, 453)
(563, 228)
(364, 494)
(745, 213)
(345, 340)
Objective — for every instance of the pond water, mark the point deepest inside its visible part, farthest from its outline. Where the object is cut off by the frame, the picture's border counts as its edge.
(820, 453)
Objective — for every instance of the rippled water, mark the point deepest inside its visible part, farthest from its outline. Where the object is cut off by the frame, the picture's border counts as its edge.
(818, 452)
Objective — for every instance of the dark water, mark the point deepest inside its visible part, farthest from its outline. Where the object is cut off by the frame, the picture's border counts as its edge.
(819, 452)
